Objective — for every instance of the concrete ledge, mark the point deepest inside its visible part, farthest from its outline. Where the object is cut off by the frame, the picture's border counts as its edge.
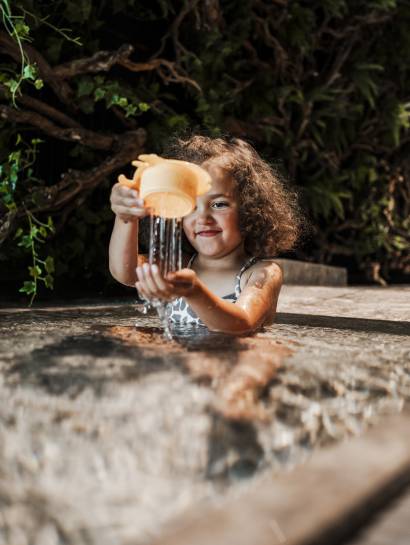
(311, 274)
(326, 501)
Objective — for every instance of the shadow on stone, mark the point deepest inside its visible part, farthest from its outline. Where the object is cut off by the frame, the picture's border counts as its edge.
(389, 327)
(113, 354)
(234, 452)
(56, 315)
(74, 363)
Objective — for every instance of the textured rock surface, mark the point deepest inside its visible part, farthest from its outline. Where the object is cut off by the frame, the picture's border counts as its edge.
(312, 274)
(103, 439)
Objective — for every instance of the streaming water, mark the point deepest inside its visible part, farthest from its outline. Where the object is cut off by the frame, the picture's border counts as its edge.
(165, 250)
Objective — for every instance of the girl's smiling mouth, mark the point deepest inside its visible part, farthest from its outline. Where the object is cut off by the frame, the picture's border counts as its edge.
(208, 233)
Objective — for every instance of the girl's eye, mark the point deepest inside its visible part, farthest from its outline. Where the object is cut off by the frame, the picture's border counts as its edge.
(220, 204)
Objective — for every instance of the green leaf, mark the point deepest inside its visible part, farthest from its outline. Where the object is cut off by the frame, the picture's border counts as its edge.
(29, 287)
(370, 66)
(49, 264)
(21, 30)
(177, 121)
(373, 176)
(117, 100)
(35, 271)
(43, 231)
(34, 231)
(131, 109)
(15, 156)
(400, 243)
(25, 242)
(337, 205)
(12, 84)
(99, 93)
(49, 281)
(30, 72)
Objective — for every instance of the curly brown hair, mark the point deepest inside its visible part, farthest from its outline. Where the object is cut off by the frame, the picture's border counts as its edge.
(269, 215)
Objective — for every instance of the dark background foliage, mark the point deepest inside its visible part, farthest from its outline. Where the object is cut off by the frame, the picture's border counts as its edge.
(319, 87)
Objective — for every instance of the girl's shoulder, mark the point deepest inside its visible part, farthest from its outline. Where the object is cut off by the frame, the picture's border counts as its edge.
(262, 270)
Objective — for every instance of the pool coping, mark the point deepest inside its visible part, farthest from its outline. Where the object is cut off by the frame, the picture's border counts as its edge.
(311, 274)
(337, 492)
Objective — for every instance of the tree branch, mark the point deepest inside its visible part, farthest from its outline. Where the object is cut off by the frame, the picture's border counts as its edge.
(73, 182)
(271, 41)
(162, 66)
(173, 31)
(341, 58)
(82, 136)
(102, 61)
(43, 108)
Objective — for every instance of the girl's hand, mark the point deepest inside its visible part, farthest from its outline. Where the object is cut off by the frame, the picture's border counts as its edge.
(126, 204)
(152, 285)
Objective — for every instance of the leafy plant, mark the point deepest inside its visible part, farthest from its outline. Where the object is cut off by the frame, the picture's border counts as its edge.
(17, 28)
(16, 173)
(41, 270)
(17, 170)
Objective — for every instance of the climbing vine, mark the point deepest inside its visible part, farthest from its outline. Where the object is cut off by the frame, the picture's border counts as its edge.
(17, 29)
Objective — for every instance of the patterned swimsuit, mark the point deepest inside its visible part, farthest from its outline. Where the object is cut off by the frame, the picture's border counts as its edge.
(181, 313)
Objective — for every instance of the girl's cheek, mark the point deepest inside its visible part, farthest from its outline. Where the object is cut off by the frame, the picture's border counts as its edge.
(187, 229)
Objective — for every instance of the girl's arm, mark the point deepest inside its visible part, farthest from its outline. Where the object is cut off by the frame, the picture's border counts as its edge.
(123, 250)
(256, 304)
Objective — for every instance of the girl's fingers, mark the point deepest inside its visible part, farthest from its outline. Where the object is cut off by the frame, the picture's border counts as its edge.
(183, 282)
(145, 285)
(131, 203)
(142, 286)
(182, 289)
(129, 211)
(184, 277)
(126, 200)
(152, 282)
(142, 293)
(162, 285)
(149, 280)
(121, 192)
(140, 275)
(124, 191)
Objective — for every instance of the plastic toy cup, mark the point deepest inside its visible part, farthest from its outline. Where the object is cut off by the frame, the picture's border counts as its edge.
(168, 186)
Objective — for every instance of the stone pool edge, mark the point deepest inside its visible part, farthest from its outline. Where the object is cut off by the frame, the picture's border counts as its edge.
(327, 500)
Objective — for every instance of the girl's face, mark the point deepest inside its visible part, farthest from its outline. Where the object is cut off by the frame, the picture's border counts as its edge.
(213, 227)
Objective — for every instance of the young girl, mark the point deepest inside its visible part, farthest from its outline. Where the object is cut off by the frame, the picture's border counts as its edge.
(230, 282)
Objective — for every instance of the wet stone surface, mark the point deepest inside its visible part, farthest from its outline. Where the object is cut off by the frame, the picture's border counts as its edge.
(107, 431)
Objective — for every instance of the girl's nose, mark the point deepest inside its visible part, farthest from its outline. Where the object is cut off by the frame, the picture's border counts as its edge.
(203, 214)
